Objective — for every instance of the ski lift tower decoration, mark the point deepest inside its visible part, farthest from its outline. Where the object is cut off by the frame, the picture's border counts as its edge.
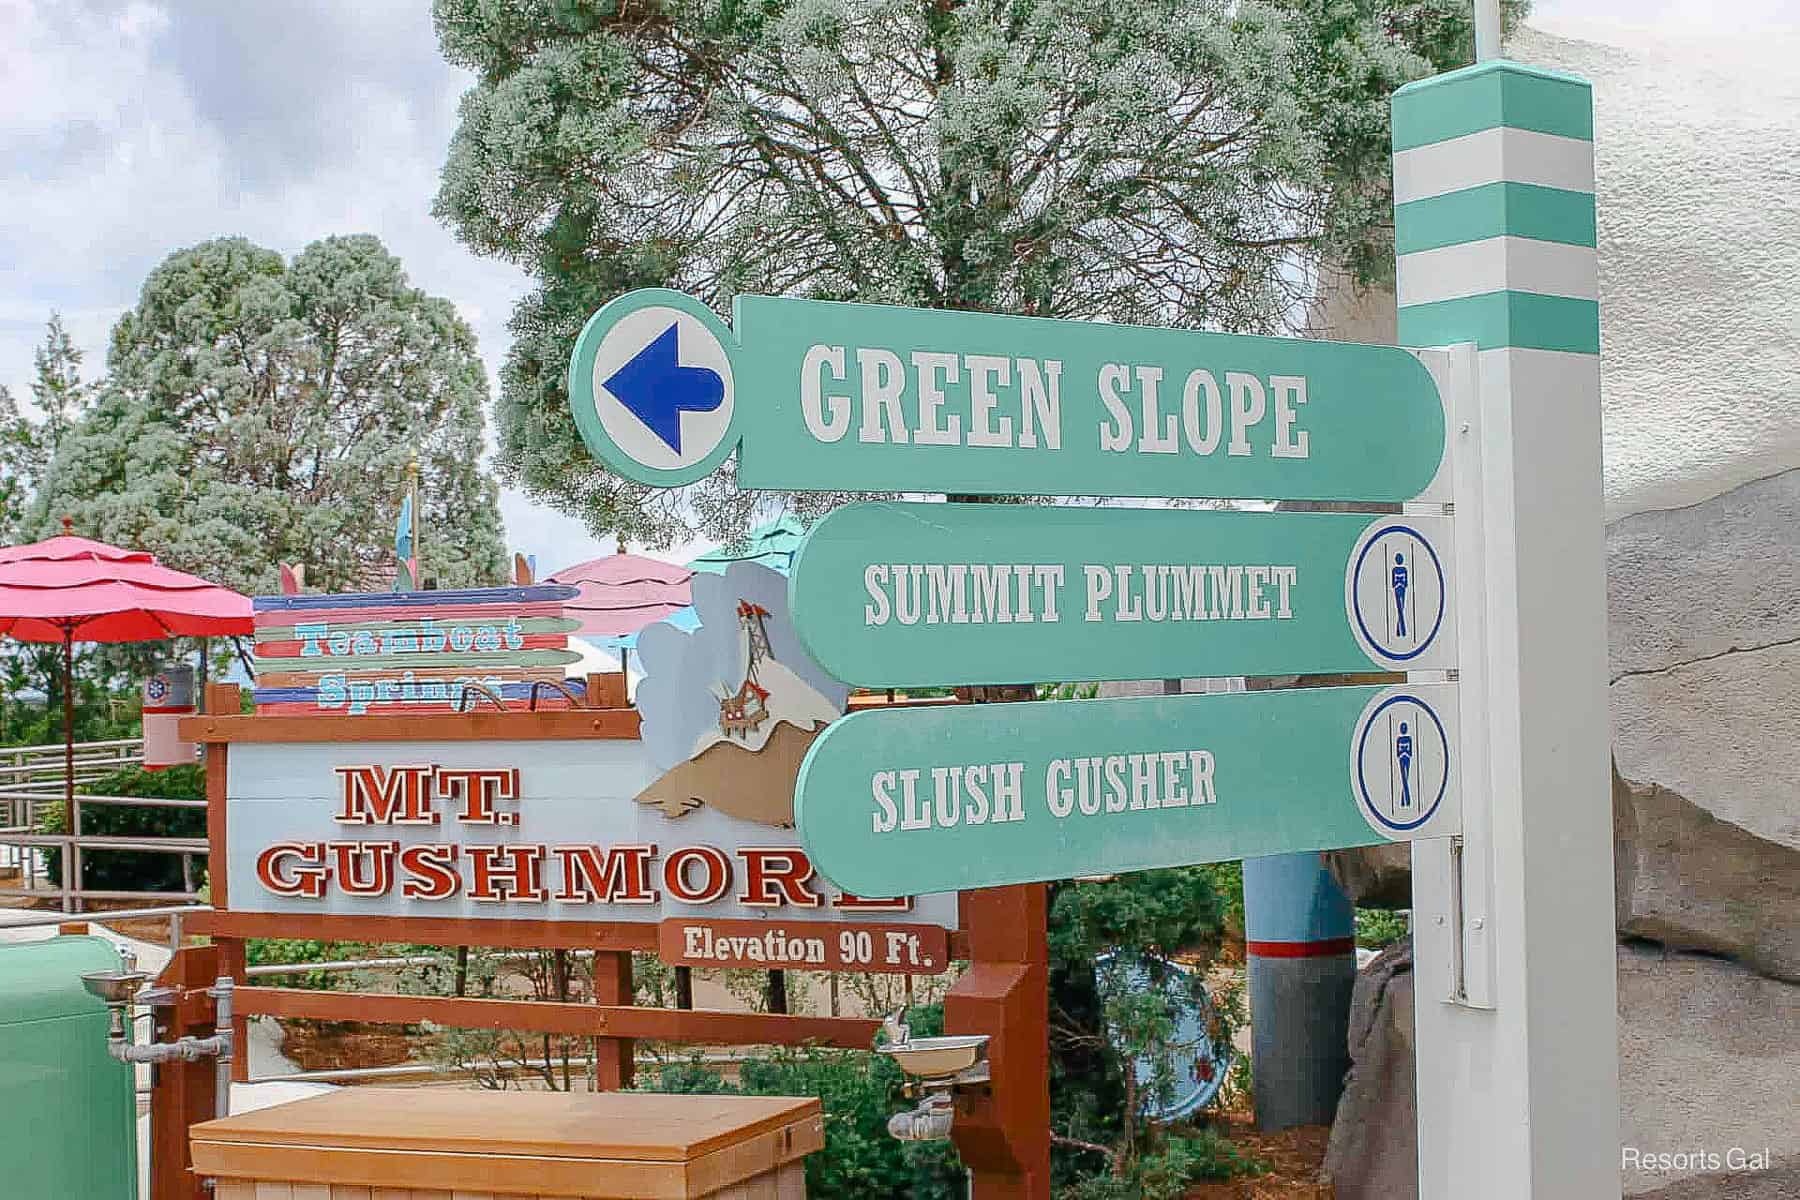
(743, 711)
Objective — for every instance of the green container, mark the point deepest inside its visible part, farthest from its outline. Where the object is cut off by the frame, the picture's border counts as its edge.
(70, 1115)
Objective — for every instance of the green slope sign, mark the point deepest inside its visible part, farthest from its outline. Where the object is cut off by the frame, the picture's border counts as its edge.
(941, 799)
(826, 396)
(908, 594)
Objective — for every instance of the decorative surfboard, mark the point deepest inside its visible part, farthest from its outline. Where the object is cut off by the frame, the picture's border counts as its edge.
(376, 652)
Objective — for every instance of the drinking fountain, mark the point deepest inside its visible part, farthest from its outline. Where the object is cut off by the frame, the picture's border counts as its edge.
(936, 1068)
(120, 989)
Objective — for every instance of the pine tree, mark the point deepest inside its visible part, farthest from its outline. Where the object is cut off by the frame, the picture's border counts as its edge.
(258, 411)
(1173, 162)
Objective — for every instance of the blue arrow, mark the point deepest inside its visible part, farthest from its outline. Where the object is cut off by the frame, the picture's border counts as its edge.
(656, 389)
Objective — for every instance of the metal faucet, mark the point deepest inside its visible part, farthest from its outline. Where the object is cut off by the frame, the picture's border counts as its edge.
(119, 988)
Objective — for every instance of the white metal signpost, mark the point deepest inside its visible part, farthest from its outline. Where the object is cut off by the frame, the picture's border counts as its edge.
(1490, 756)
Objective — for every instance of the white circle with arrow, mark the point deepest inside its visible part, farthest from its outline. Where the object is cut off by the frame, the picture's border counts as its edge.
(651, 388)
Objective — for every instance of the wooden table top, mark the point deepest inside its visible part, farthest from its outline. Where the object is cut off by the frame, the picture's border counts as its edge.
(639, 1126)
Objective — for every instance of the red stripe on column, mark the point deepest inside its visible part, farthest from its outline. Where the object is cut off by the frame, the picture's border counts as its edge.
(1323, 949)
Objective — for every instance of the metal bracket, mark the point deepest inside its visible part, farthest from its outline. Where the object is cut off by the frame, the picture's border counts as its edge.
(1453, 877)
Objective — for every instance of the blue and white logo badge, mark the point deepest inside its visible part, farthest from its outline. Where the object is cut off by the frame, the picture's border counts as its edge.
(1398, 596)
(1402, 760)
(651, 388)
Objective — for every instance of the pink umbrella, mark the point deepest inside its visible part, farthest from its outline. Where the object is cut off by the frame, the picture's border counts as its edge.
(622, 593)
(68, 589)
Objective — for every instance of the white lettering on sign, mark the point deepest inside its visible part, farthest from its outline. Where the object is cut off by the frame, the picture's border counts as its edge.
(319, 639)
(831, 946)
(774, 946)
(990, 793)
(1129, 782)
(999, 402)
(1020, 593)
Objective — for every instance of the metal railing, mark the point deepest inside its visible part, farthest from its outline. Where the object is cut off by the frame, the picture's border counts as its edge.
(24, 919)
(32, 778)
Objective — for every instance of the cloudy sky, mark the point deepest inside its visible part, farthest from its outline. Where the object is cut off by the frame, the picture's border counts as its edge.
(131, 128)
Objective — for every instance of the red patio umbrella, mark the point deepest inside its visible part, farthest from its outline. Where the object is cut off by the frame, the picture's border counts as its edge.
(68, 589)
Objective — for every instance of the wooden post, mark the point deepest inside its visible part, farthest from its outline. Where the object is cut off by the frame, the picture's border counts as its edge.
(181, 1093)
(222, 699)
(613, 1066)
(778, 997)
(606, 689)
(1004, 1134)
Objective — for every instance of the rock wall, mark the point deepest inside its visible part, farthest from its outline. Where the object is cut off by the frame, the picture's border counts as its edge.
(1707, 1060)
(1698, 218)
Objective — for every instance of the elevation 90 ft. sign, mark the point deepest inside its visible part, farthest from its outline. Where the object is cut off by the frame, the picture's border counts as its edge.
(827, 396)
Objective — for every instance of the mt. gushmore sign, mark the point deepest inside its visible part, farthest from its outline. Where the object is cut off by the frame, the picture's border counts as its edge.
(827, 396)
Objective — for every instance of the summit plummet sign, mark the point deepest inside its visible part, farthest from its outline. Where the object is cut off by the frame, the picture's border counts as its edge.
(902, 595)
(823, 396)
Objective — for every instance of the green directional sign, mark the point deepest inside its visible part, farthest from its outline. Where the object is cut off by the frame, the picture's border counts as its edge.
(940, 799)
(816, 395)
(903, 594)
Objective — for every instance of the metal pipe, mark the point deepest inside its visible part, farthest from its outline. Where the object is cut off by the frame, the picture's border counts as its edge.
(24, 919)
(344, 964)
(1487, 30)
(221, 993)
(929, 1122)
(139, 801)
(101, 841)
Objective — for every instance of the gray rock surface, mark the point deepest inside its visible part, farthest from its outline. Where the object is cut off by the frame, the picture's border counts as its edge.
(1738, 586)
(1723, 732)
(1704, 617)
(1373, 1153)
(1708, 1056)
(1691, 881)
(1374, 876)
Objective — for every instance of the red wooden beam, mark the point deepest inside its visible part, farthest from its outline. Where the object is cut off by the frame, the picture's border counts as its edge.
(571, 1020)
(431, 931)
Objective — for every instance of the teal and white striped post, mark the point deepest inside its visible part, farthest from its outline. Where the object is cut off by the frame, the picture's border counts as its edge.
(1517, 1080)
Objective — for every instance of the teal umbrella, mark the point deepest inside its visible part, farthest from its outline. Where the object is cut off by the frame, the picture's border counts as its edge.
(772, 545)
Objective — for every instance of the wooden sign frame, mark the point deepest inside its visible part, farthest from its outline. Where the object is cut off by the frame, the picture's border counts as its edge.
(1002, 936)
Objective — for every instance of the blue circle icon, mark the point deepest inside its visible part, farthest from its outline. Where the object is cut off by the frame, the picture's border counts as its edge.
(1401, 763)
(1397, 592)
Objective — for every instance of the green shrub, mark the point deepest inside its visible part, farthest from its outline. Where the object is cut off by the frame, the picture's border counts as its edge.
(1378, 928)
(134, 870)
(1184, 1159)
(858, 1090)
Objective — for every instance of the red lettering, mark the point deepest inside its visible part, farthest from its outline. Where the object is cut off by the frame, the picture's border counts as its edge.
(307, 876)
(480, 789)
(774, 876)
(620, 875)
(849, 903)
(507, 872)
(349, 860)
(386, 796)
(430, 872)
(716, 869)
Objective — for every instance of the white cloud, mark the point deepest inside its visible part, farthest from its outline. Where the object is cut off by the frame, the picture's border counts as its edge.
(1572, 17)
(131, 130)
